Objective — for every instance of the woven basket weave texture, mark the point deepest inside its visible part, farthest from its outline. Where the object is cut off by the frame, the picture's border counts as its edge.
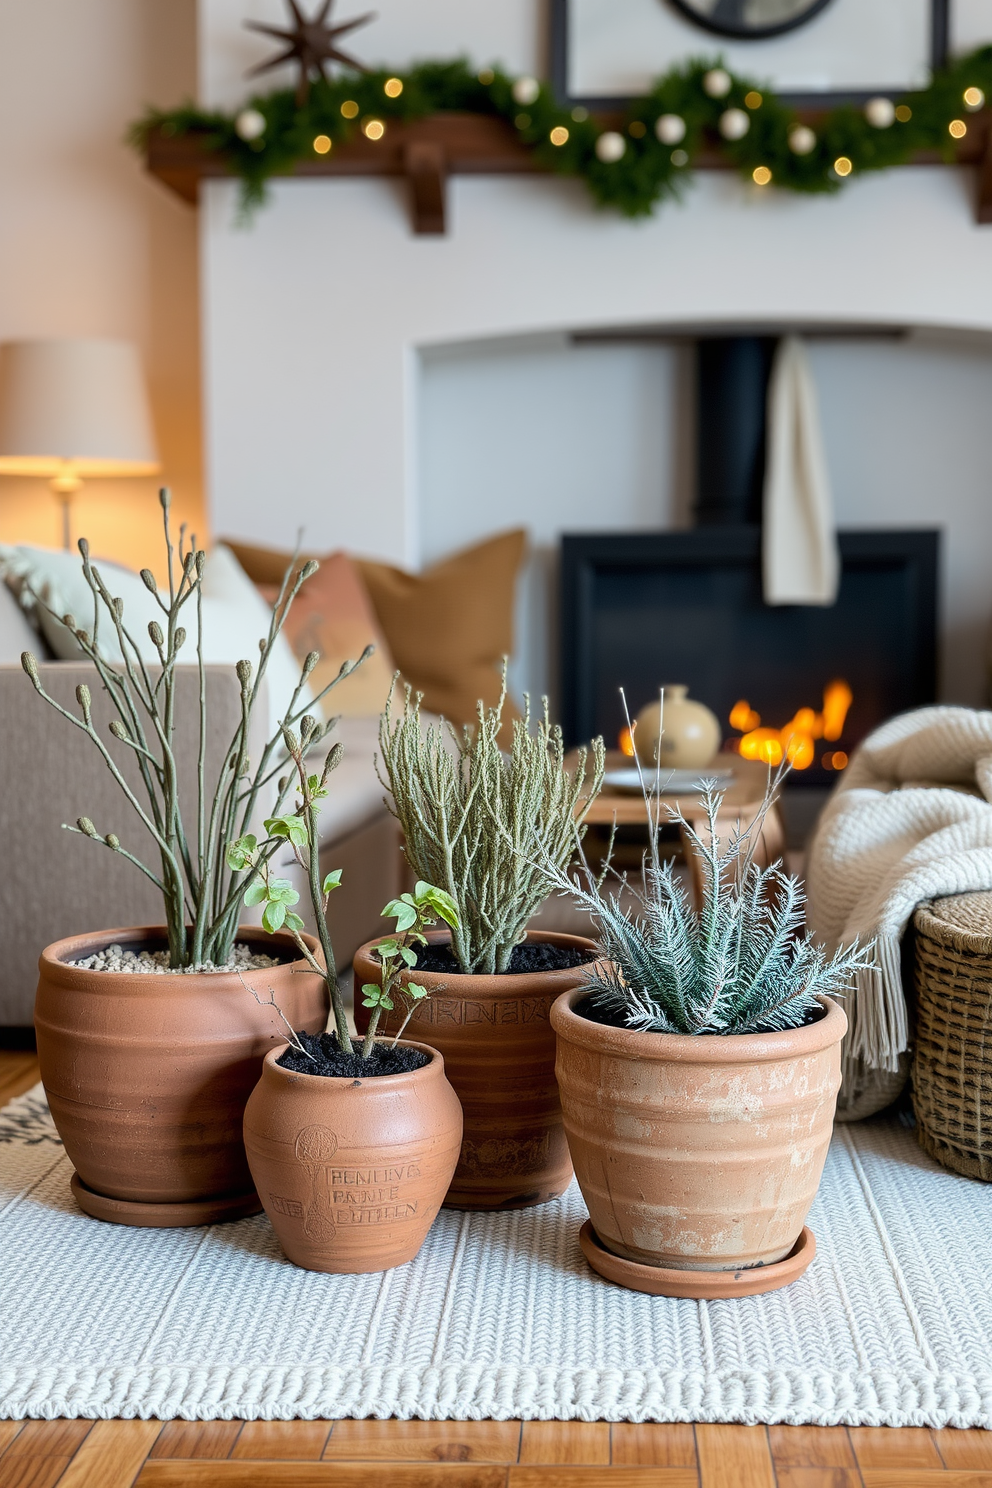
(952, 1059)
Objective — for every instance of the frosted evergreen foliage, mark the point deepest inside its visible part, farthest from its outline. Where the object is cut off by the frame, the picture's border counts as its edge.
(740, 962)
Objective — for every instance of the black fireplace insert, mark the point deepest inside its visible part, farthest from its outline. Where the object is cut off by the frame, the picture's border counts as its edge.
(645, 609)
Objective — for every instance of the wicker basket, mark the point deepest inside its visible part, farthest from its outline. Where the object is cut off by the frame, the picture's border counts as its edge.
(952, 1058)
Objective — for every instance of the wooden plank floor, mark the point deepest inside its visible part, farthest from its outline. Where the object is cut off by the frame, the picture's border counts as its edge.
(472, 1454)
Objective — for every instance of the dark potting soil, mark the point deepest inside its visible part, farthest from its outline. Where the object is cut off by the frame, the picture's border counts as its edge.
(329, 1060)
(535, 955)
(607, 1018)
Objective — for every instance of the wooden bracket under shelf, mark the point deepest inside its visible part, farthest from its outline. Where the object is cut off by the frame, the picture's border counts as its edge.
(427, 151)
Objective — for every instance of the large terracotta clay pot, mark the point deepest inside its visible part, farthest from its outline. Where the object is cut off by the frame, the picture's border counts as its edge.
(147, 1076)
(352, 1172)
(698, 1153)
(499, 1054)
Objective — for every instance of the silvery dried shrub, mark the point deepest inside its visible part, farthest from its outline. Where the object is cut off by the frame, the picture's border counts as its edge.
(478, 820)
(739, 962)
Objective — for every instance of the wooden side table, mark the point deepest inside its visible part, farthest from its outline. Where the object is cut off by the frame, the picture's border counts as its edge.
(744, 794)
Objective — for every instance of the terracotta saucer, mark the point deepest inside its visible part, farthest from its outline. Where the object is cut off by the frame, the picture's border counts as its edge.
(163, 1216)
(705, 1285)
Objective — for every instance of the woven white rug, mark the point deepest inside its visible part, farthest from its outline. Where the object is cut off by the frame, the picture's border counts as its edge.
(499, 1316)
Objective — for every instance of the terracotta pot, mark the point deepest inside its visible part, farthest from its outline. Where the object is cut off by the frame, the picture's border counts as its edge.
(147, 1076)
(499, 1054)
(698, 1153)
(352, 1172)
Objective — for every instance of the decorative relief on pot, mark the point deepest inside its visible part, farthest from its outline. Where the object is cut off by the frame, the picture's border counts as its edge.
(505, 1155)
(495, 1012)
(315, 1147)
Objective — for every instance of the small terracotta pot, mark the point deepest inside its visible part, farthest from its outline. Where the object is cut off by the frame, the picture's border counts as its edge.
(147, 1076)
(499, 1054)
(698, 1153)
(352, 1172)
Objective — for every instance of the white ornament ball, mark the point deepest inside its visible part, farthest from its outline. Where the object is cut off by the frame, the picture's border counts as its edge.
(734, 124)
(880, 112)
(670, 129)
(802, 140)
(525, 90)
(717, 82)
(249, 125)
(610, 147)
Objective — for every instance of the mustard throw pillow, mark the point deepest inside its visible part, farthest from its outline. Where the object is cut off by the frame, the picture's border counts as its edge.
(450, 626)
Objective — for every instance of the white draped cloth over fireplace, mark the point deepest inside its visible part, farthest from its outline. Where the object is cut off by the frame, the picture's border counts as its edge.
(799, 541)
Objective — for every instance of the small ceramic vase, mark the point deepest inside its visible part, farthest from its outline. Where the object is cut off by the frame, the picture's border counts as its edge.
(691, 734)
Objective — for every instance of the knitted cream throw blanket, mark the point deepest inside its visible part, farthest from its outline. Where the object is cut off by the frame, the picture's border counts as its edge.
(909, 821)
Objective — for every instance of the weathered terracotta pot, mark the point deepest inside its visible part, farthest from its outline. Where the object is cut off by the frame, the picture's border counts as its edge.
(698, 1153)
(147, 1076)
(352, 1172)
(499, 1054)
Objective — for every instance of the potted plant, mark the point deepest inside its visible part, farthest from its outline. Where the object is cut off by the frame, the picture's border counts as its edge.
(475, 820)
(699, 1064)
(147, 1043)
(351, 1145)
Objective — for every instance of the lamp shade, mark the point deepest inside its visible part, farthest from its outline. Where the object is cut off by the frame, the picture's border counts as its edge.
(79, 403)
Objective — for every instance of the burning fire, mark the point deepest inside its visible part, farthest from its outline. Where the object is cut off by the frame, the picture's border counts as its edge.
(796, 742)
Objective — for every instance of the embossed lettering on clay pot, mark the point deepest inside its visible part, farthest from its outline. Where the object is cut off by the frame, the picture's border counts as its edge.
(499, 1054)
(147, 1075)
(352, 1172)
(698, 1153)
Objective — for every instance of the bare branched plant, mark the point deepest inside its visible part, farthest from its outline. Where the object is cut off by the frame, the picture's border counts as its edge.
(479, 821)
(739, 962)
(202, 894)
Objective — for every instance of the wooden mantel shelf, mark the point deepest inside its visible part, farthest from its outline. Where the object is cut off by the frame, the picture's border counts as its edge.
(427, 151)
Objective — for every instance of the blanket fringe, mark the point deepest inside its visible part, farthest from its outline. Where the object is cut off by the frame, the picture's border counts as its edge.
(876, 1009)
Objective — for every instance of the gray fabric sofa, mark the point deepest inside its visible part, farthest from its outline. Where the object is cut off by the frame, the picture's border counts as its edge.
(55, 883)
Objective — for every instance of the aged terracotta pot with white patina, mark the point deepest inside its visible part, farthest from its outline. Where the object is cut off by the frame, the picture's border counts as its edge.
(147, 1075)
(499, 1054)
(698, 1153)
(352, 1172)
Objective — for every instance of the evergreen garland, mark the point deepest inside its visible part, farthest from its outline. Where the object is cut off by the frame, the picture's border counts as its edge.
(841, 143)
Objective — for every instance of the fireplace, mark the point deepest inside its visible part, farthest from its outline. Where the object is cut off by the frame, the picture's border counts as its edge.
(639, 610)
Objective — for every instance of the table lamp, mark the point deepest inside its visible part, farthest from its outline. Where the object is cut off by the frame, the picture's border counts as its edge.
(73, 410)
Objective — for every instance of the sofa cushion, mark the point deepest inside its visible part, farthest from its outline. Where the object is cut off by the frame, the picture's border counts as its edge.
(451, 625)
(331, 614)
(235, 617)
(17, 634)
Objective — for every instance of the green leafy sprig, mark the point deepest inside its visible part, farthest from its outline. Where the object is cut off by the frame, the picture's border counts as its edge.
(413, 913)
(845, 141)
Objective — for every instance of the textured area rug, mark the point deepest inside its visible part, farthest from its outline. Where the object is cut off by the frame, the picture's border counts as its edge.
(499, 1316)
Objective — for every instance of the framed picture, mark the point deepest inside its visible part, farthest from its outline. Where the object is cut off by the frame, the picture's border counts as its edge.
(813, 52)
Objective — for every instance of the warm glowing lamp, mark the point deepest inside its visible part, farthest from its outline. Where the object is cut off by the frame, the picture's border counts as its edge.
(72, 410)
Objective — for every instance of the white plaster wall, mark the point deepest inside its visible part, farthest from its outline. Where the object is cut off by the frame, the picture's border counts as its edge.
(321, 318)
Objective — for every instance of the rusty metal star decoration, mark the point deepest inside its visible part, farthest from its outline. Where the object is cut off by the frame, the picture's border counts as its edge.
(312, 43)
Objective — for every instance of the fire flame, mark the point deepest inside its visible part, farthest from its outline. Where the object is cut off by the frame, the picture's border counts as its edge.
(626, 742)
(796, 742)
